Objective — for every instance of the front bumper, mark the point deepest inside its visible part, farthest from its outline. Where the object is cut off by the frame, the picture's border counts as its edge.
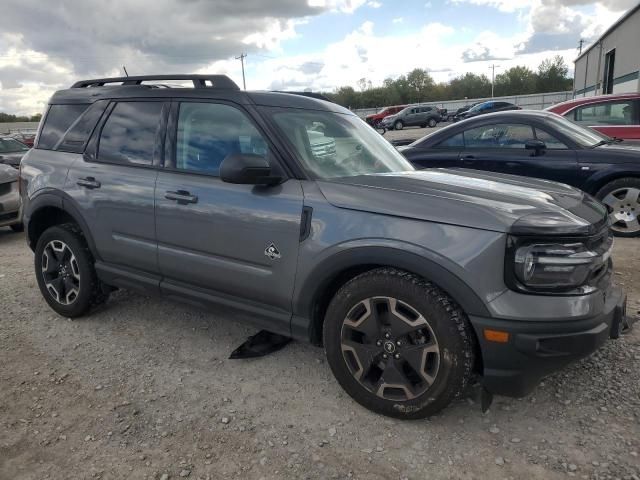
(537, 348)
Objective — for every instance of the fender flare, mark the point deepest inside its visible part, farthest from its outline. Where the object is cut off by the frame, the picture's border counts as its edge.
(63, 202)
(310, 292)
(601, 178)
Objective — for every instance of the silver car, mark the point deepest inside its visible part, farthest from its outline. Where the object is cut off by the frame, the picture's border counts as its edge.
(10, 214)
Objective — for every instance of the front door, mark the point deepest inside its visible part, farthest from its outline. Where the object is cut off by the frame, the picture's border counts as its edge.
(502, 148)
(219, 241)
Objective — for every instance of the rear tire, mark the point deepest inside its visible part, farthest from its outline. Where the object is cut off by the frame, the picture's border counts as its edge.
(398, 125)
(397, 344)
(65, 271)
(622, 198)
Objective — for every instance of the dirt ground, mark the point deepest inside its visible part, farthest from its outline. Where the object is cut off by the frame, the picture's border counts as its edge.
(143, 389)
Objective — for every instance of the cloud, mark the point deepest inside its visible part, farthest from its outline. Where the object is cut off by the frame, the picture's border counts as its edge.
(479, 53)
(397, 20)
(374, 4)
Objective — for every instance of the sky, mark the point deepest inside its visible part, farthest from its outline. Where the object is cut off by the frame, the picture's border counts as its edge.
(290, 44)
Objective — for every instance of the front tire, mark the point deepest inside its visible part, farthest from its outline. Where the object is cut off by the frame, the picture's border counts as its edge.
(397, 344)
(622, 198)
(432, 123)
(65, 271)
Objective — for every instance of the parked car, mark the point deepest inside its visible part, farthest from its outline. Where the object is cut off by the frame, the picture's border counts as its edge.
(543, 145)
(415, 283)
(376, 118)
(615, 115)
(10, 215)
(413, 116)
(11, 151)
(25, 136)
(457, 116)
(486, 107)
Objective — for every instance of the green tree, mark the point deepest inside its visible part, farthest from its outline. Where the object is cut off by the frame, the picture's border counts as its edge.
(552, 76)
(517, 80)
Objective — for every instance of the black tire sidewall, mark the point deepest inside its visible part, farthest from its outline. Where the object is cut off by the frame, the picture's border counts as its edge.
(432, 123)
(453, 371)
(85, 266)
(615, 185)
(398, 125)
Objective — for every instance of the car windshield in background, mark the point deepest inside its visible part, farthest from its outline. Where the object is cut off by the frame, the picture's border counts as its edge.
(333, 145)
(9, 145)
(583, 136)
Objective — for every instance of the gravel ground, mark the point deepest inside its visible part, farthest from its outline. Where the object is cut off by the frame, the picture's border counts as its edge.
(143, 389)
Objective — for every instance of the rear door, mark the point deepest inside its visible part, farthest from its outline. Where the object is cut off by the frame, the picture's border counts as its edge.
(501, 148)
(218, 241)
(113, 183)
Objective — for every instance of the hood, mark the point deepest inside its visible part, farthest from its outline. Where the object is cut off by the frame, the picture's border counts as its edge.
(488, 201)
(8, 174)
(12, 159)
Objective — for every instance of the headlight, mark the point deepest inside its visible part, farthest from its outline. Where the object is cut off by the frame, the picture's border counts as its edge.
(570, 265)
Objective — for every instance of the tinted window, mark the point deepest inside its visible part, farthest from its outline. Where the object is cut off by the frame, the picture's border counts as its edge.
(209, 132)
(549, 140)
(80, 131)
(457, 141)
(498, 136)
(129, 134)
(9, 145)
(612, 113)
(59, 118)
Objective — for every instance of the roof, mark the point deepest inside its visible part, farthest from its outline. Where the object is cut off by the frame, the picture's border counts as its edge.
(563, 107)
(204, 86)
(616, 24)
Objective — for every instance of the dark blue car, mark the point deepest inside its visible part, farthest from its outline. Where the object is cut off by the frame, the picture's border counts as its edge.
(542, 145)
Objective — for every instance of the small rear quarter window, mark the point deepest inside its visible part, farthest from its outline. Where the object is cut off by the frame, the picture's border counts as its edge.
(57, 121)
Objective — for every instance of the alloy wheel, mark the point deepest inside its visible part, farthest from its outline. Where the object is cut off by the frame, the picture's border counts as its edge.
(390, 348)
(624, 207)
(60, 272)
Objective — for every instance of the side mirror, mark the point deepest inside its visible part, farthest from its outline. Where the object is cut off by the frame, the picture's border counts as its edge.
(536, 145)
(247, 169)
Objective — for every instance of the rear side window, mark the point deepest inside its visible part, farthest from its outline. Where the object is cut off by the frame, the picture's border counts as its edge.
(58, 120)
(610, 113)
(78, 134)
(129, 134)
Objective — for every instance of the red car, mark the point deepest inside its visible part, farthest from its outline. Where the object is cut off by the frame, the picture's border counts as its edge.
(376, 118)
(616, 115)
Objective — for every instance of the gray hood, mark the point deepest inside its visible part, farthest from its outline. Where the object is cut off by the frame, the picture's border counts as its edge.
(489, 201)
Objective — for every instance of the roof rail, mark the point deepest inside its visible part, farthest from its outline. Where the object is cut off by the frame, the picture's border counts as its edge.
(315, 95)
(199, 81)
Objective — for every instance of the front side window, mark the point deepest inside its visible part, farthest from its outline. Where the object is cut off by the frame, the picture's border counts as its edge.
(611, 113)
(498, 136)
(334, 145)
(549, 140)
(129, 134)
(456, 141)
(209, 132)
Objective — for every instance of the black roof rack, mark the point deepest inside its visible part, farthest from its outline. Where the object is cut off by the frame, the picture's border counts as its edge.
(199, 81)
(315, 95)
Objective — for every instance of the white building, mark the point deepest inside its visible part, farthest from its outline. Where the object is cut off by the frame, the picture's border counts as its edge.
(612, 63)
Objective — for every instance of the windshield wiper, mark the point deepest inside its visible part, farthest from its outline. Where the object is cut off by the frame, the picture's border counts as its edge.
(602, 142)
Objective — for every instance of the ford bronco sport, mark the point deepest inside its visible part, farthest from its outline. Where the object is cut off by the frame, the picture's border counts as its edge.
(415, 282)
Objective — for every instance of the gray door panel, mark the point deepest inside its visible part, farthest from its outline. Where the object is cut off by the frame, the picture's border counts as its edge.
(219, 242)
(119, 212)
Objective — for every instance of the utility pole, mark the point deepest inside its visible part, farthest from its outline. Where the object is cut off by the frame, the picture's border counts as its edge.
(493, 76)
(241, 58)
(580, 46)
(126, 74)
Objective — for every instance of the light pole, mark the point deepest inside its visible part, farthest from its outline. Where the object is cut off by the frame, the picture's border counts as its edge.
(241, 58)
(493, 76)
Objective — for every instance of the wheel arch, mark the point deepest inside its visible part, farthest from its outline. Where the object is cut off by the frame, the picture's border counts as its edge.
(49, 209)
(597, 182)
(320, 286)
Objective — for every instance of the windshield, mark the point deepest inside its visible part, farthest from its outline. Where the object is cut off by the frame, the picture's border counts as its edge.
(334, 145)
(476, 107)
(9, 145)
(583, 136)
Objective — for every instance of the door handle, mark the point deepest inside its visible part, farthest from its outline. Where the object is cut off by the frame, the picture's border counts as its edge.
(468, 158)
(181, 196)
(88, 182)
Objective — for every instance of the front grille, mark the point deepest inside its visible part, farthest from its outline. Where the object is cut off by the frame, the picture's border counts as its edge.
(5, 188)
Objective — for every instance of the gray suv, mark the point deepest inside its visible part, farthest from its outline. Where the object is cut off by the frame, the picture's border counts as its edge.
(412, 116)
(416, 283)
